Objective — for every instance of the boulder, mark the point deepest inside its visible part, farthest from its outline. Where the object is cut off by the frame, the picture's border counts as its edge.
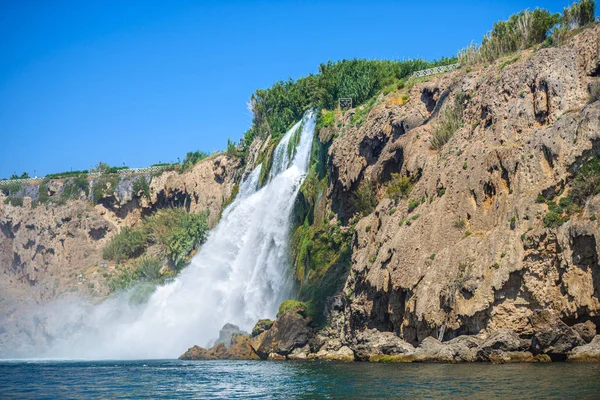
(226, 332)
(551, 336)
(587, 330)
(240, 349)
(199, 353)
(505, 357)
(587, 353)
(344, 353)
(373, 343)
(290, 331)
(459, 349)
(501, 341)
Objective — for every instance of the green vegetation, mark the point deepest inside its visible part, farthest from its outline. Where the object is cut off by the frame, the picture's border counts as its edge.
(364, 198)
(509, 61)
(141, 187)
(104, 186)
(520, 31)
(73, 188)
(322, 255)
(277, 108)
(68, 174)
(293, 305)
(450, 122)
(586, 182)
(43, 196)
(414, 203)
(176, 232)
(192, 158)
(399, 187)
(581, 13)
(144, 269)
(127, 244)
(24, 175)
(13, 191)
(526, 29)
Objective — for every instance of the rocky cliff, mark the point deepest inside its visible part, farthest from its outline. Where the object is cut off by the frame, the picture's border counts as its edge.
(482, 248)
(52, 248)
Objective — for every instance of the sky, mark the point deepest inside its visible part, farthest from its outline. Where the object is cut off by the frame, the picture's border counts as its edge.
(140, 82)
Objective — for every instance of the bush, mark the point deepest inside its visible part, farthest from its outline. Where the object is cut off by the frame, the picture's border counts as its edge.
(192, 158)
(579, 14)
(399, 187)
(43, 196)
(364, 198)
(520, 31)
(414, 203)
(177, 232)
(104, 186)
(74, 187)
(141, 185)
(277, 108)
(586, 181)
(450, 122)
(24, 175)
(129, 243)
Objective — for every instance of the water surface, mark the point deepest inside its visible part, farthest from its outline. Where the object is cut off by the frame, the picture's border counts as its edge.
(291, 380)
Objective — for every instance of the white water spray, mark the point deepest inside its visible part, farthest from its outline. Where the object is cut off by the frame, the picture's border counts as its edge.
(241, 274)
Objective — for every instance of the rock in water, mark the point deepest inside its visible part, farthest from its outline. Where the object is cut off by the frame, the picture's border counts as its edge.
(552, 336)
(226, 332)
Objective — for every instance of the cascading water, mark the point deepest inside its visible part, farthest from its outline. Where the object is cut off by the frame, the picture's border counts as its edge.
(241, 274)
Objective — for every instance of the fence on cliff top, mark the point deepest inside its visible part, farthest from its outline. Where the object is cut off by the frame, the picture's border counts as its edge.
(433, 71)
(128, 171)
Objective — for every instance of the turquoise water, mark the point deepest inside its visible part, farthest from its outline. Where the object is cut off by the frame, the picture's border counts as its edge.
(289, 380)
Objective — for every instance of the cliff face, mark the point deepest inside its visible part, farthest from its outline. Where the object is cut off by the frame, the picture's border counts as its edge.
(48, 250)
(469, 249)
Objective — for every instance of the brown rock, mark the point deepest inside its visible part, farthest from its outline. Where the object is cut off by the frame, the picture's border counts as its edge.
(199, 353)
(505, 357)
(375, 343)
(240, 349)
(586, 353)
(504, 341)
(289, 331)
(587, 330)
(552, 336)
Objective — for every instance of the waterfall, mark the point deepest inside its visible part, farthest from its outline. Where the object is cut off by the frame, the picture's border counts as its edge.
(240, 274)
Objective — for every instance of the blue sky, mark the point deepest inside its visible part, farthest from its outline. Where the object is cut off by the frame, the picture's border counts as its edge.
(138, 82)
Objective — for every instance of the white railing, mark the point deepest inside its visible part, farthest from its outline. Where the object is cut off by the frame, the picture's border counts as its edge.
(433, 71)
(127, 171)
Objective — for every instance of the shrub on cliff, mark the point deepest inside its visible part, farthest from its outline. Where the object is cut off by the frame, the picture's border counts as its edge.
(399, 187)
(364, 198)
(449, 123)
(74, 187)
(177, 232)
(140, 185)
(129, 243)
(586, 181)
(192, 158)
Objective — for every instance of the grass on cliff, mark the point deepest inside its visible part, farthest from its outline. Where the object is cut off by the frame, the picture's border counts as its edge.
(450, 121)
